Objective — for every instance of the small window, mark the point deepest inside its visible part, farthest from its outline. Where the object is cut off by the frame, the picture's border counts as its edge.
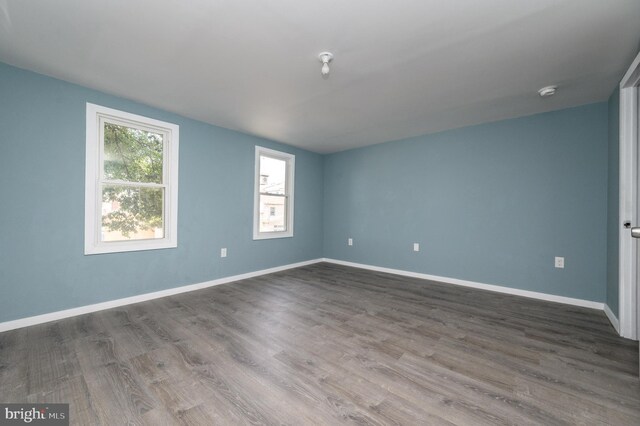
(273, 205)
(131, 187)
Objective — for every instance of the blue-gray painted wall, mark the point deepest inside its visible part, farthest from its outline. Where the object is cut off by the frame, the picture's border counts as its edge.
(613, 200)
(493, 203)
(42, 155)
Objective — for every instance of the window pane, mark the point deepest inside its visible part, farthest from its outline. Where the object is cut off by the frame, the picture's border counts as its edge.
(272, 175)
(273, 213)
(132, 155)
(132, 213)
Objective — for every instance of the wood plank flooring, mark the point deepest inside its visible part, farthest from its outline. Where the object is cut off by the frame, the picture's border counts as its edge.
(327, 344)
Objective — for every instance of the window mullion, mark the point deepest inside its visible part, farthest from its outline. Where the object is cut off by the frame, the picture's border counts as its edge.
(133, 184)
(273, 195)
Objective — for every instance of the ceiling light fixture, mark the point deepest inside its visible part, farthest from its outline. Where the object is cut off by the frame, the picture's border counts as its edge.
(547, 91)
(325, 58)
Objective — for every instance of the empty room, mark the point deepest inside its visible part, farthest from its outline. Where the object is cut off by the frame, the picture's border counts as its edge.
(327, 212)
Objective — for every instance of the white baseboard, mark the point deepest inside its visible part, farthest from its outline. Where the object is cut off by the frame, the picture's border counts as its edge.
(612, 318)
(472, 284)
(53, 316)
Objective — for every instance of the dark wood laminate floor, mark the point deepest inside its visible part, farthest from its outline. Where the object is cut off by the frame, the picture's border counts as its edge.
(328, 344)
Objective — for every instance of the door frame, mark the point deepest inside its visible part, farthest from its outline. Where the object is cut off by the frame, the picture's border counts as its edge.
(628, 263)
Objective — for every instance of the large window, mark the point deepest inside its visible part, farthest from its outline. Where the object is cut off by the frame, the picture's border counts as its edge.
(273, 205)
(131, 187)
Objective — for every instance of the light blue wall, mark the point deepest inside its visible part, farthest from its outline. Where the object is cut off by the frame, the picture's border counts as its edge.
(613, 198)
(42, 149)
(492, 203)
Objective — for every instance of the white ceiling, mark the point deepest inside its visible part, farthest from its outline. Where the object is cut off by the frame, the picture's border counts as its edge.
(402, 68)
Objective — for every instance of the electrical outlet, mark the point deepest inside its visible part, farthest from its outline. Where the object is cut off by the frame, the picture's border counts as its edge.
(223, 252)
(559, 262)
(416, 246)
(350, 241)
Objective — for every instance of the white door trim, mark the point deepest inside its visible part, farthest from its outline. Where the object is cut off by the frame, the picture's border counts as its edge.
(628, 194)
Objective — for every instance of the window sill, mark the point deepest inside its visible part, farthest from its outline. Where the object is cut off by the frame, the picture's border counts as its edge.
(127, 246)
(272, 235)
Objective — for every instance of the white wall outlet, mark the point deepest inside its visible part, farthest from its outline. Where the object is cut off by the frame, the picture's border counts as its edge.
(559, 262)
(350, 242)
(223, 252)
(416, 246)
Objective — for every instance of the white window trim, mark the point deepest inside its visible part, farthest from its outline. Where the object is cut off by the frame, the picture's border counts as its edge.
(93, 197)
(291, 161)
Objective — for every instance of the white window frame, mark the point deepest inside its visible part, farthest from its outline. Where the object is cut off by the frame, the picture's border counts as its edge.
(290, 161)
(96, 116)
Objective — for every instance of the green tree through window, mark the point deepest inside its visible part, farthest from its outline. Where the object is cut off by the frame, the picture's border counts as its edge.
(133, 163)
